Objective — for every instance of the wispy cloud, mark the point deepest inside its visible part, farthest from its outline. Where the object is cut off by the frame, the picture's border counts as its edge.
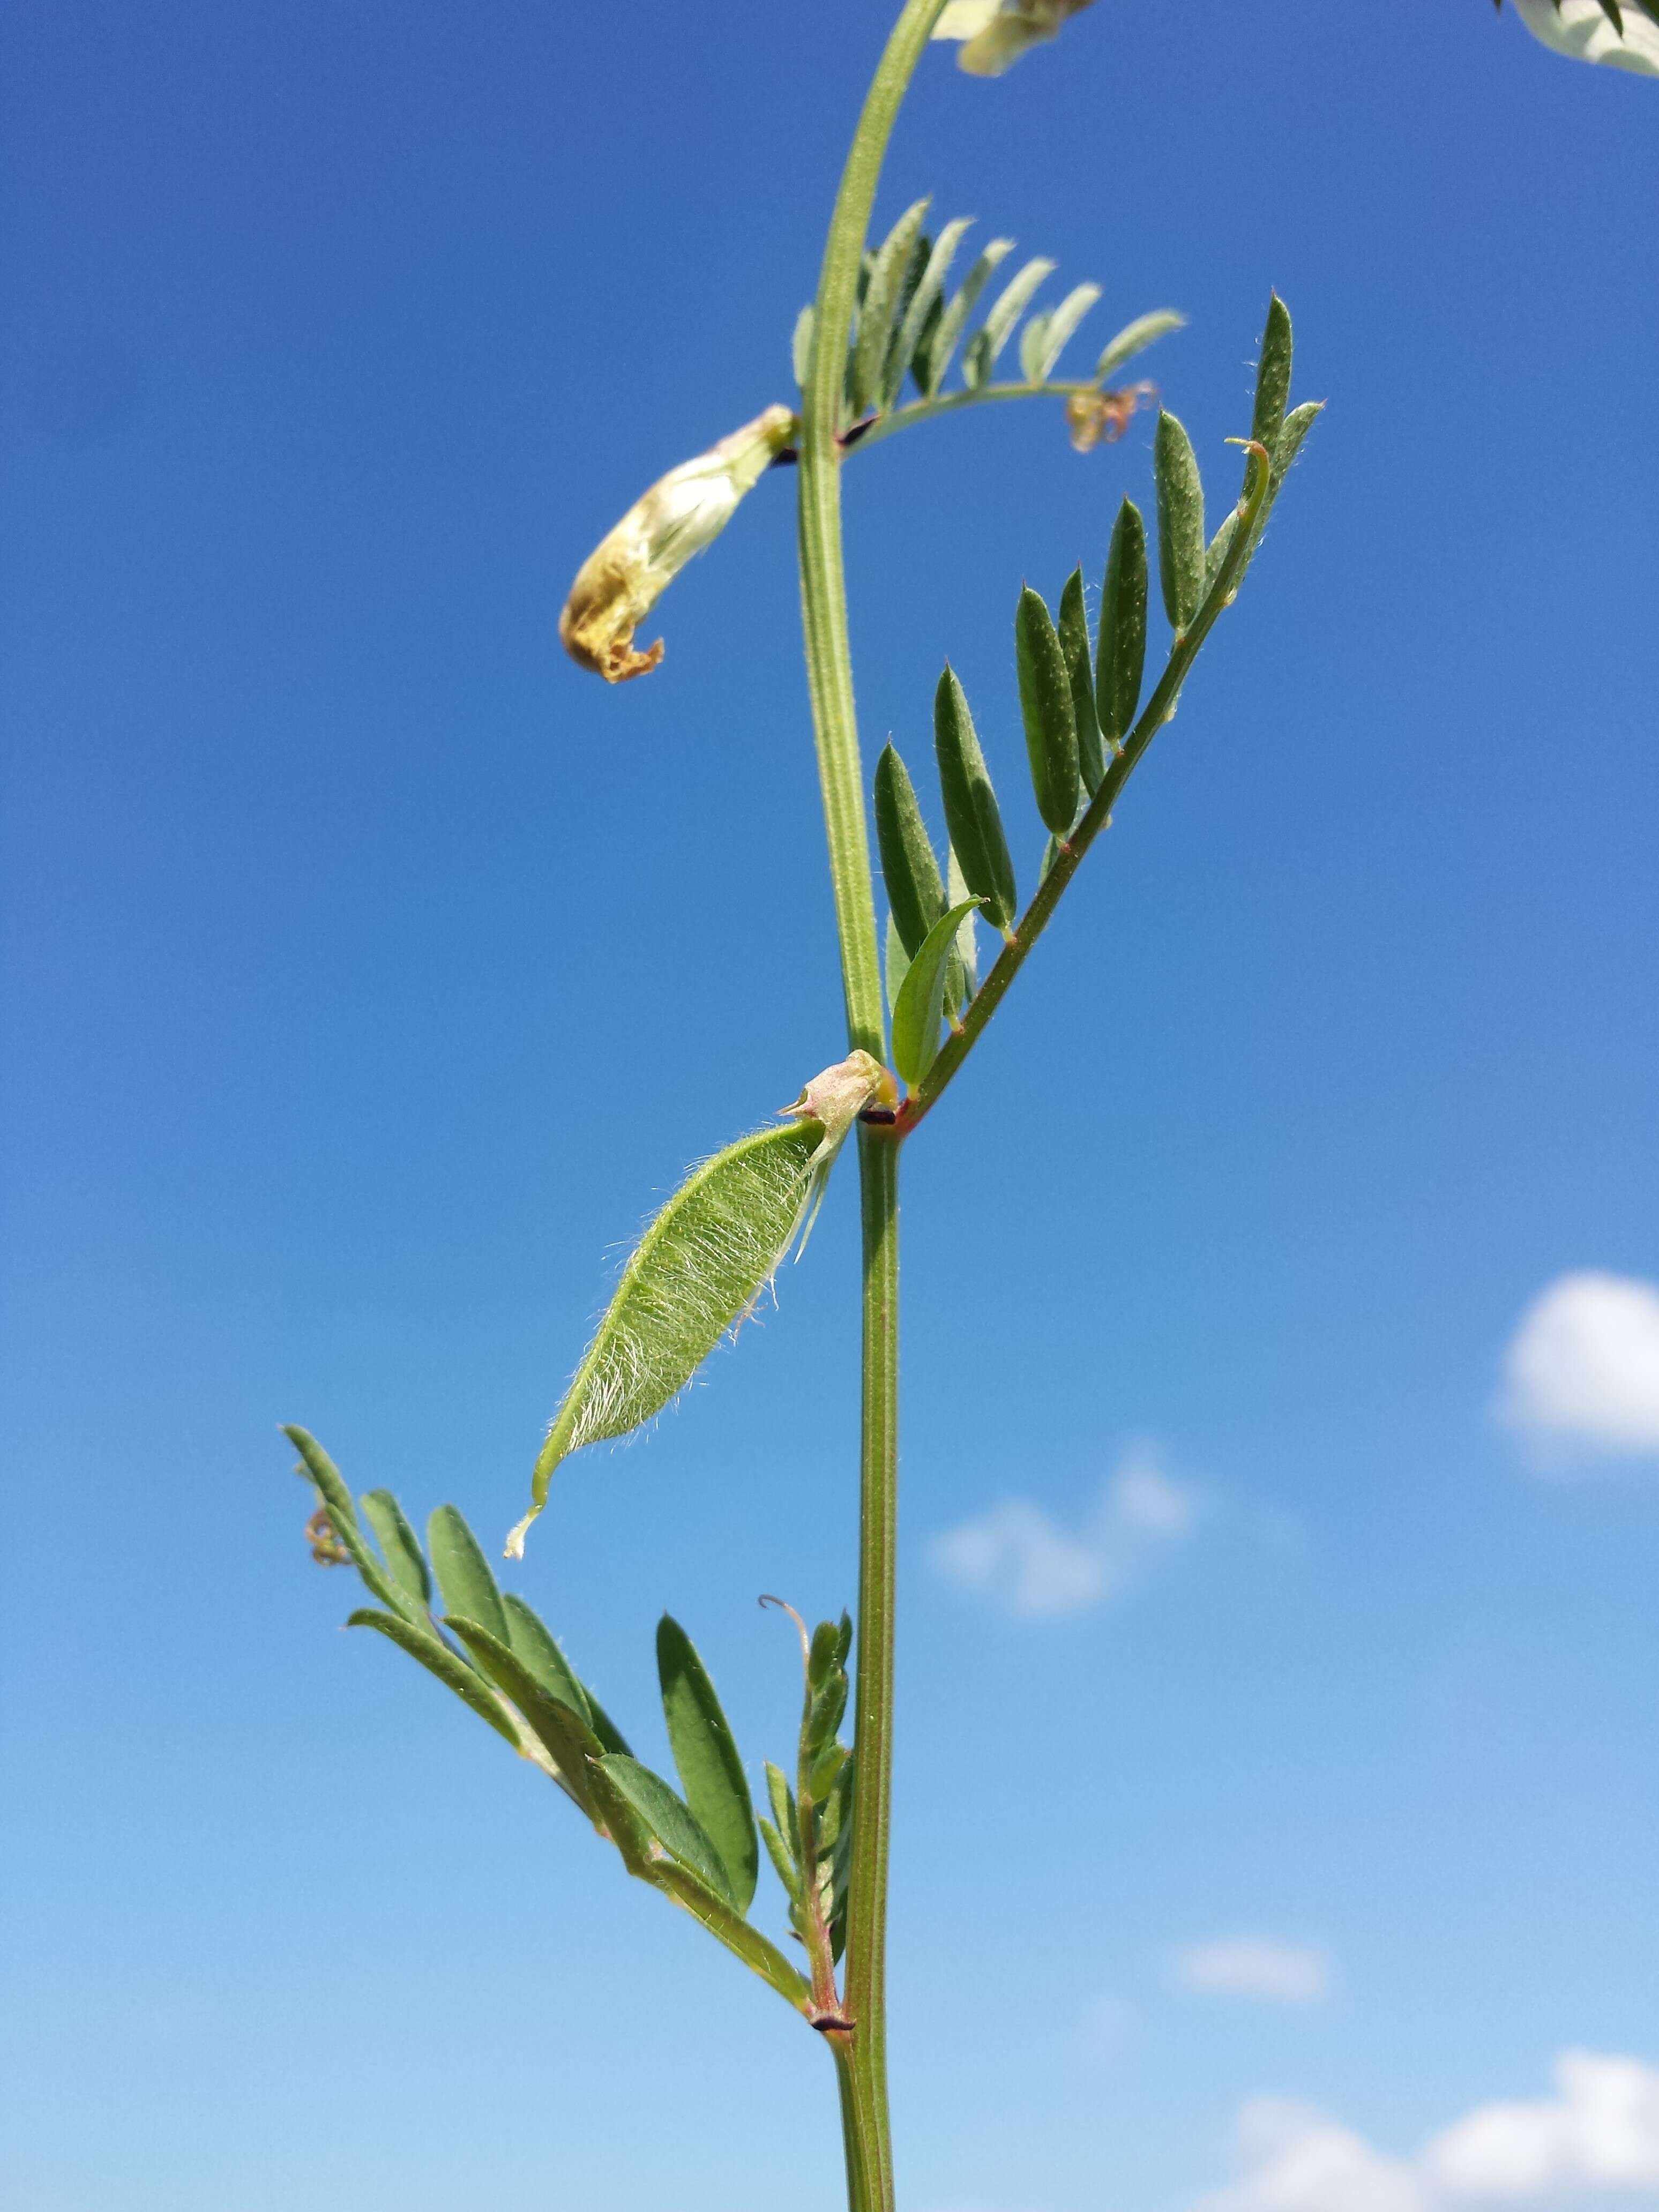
(1022, 1560)
(1581, 1370)
(1108, 2022)
(1256, 1967)
(1597, 2136)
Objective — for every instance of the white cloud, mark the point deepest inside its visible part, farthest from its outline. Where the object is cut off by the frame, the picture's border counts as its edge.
(1599, 2130)
(1583, 1368)
(1256, 1967)
(1295, 2160)
(1026, 1561)
(1598, 2135)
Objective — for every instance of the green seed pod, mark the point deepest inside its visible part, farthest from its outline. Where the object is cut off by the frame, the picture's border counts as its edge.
(694, 1274)
(1272, 375)
(915, 890)
(971, 814)
(1074, 645)
(1180, 522)
(1045, 705)
(1121, 658)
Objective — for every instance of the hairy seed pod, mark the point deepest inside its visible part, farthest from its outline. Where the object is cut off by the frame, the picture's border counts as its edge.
(694, 1274)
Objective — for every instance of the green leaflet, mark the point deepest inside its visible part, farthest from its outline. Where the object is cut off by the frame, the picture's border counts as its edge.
(536, 1650)
(568, 1742)
(668, 1820)
(1217, 552)
(1121, 655)
(399, 1544)
(921, 997)
(895, 963)
(955, 889)
(329, 1486)
(1039, 355)
(915, 890)
(694, 1274)
(706, 1758)
(1273, 376)
(784, 1811)
(782, 1865)
(1134, 337)
(998, 328)
(604, 1728)
(925, 309)
(1074, 648)
(436, 1657)
(881, 300)
(933, 364)
(895, 363)
(1180, 522)
(729, 1926)
(971, 814)
(800, 344)
(1045, 705)
(1297, 423)
(462, 1573)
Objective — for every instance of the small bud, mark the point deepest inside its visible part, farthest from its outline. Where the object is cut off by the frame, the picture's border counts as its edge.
(624, 575)
(998, 32)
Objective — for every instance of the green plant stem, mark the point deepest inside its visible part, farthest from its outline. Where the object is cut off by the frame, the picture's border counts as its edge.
(861, 2054)
(951, 402)
(1159, 709)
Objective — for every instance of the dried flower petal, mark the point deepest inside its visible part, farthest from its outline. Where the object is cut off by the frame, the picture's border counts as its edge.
(1586, 30)
(998, 32)
(627, 572)
(1094, 417)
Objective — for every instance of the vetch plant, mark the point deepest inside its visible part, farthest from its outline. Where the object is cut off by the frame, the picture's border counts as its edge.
(889, 343)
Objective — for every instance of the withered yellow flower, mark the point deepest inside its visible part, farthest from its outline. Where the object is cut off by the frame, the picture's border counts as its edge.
(1095, 417)
(998, 32)
(629, 569)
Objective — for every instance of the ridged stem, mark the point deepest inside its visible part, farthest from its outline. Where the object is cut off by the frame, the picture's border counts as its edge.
(861, 2055)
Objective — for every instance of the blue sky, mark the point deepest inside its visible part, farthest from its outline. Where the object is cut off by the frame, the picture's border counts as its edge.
(1277, 1777)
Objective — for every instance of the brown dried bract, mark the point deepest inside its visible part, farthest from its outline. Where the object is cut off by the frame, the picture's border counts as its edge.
(326, 1549)
(1096, 418)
